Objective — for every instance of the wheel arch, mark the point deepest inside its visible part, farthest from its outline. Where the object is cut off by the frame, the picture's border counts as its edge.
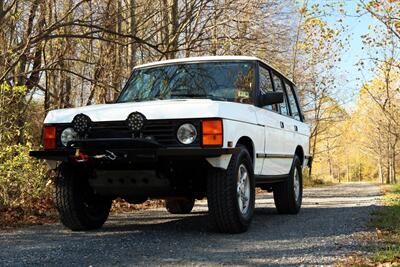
(300, 153)
(249, 144)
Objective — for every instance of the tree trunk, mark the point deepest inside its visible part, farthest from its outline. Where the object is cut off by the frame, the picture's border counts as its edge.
(165, 26)
(133, 45)
(394, 167)
(174, 29)
(380, 172)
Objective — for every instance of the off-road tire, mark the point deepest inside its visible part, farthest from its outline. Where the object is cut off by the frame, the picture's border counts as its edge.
(78, 207)
(179, 206)
(284, 192)
(222, 197)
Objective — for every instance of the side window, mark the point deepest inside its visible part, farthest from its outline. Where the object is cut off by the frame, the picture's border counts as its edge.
(279, 88)
(292, 102)
(266, 86)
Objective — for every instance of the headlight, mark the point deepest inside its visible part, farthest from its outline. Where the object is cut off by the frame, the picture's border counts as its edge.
(68, 135)
(186, 133)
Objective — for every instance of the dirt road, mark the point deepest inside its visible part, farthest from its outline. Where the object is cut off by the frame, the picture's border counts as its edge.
(322, 232)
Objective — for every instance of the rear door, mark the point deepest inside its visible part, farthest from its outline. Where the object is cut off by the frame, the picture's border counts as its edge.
(284, 156)
(301, 131)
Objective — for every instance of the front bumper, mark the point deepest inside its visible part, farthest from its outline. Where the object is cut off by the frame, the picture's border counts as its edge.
(128, 149)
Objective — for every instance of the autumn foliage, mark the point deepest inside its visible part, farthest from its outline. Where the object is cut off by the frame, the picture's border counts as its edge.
(60, 54)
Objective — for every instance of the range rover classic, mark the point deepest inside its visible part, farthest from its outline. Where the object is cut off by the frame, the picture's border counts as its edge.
(181, 130)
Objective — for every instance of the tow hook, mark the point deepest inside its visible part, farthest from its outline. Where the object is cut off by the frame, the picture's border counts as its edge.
(109, 155)
(81, 157)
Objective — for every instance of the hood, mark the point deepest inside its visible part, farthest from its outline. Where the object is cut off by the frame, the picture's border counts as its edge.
(158, 109)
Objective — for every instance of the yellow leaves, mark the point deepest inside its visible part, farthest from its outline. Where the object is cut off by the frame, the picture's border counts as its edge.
(15, 89)
(397, 25)
(20, 175)
(315, 21)
(319, 42)
(303, 10)
(387, 11)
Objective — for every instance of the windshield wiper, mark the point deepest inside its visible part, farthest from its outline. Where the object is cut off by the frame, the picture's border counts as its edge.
(189, 95)
(212, 97)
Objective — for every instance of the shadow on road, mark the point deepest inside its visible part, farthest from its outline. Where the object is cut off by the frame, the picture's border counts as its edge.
(154, 237)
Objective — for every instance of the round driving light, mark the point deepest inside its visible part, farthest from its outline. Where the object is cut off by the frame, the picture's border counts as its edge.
(135, 121)
(186, 133)
(68, 135)
(81, 123)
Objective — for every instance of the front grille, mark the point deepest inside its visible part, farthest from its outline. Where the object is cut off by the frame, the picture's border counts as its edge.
(162, 131)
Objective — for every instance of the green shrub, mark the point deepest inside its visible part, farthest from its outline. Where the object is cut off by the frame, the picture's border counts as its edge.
(22, 179)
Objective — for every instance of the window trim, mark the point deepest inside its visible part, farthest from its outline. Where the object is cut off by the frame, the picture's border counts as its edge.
(296, 97)
(285, 82)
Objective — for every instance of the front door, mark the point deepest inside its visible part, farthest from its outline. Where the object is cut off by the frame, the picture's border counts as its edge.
(278, 152)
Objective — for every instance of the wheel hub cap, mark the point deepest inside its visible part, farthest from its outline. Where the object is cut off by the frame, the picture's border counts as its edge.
(243, 189)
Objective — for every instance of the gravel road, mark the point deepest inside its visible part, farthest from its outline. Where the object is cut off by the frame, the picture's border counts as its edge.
(323, 231)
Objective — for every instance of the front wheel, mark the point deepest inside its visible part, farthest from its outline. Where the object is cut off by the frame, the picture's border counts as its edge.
(79, 208)
(231, 194)
(288, 195)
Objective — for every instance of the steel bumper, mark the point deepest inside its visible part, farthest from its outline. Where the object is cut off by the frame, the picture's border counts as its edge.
(127, 149)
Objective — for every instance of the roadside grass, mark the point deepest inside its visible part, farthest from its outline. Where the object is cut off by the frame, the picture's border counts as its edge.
(384, 244)
(316, 183)
(387, 224)
(311, 181)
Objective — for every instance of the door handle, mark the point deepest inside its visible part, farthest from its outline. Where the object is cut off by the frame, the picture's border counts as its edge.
(296, 128)
(282, 124)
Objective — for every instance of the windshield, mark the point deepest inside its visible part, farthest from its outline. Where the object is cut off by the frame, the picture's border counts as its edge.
(225, 81)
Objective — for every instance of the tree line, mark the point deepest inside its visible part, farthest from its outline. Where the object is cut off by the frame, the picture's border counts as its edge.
(60, 54)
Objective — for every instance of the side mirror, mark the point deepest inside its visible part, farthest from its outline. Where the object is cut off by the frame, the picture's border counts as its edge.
(271, 98)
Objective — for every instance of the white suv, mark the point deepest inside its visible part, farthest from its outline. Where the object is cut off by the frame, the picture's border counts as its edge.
(181, 130)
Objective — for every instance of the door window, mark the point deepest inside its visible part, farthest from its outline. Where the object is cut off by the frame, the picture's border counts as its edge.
(283, 107)
(266, 86)
(292, 102)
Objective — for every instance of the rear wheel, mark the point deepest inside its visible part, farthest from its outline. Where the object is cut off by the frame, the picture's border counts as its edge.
(231, 194)
(288, 195)
(179, 206)
(79, 208)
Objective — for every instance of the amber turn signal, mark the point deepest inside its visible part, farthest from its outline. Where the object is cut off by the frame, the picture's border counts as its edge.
(49, 137)
(212, 132)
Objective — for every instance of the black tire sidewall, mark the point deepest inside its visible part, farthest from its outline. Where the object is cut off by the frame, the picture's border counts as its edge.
(72, 192)
(243, 157)
(284, 196)
(296, 203)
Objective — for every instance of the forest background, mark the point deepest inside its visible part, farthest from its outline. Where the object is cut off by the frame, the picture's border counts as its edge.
(69, 53)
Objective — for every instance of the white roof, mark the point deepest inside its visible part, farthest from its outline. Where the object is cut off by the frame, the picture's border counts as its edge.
(206, 58)
(196, 59)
